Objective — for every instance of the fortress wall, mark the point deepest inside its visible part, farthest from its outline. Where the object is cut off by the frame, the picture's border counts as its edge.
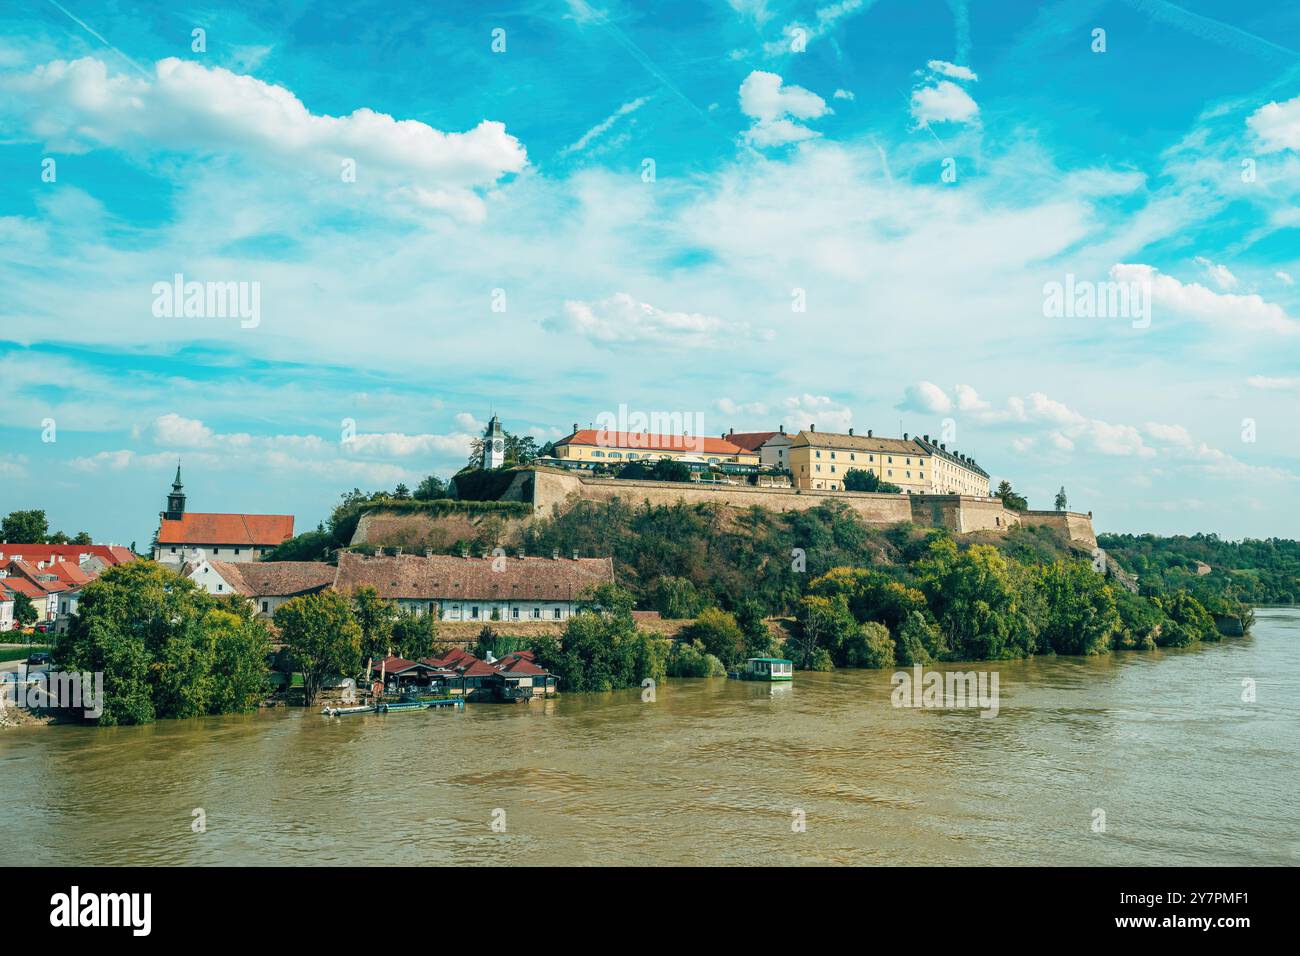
(1072, 524)
(554, 492)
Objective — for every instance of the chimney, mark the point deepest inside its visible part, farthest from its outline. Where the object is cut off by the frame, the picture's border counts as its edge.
(942, 446)
(850, 432)
(904, 436)
(782, 429)
(812, 428)
(555, 554)
(575, 427)
(927, 439)
(731, 431)
(868, 432)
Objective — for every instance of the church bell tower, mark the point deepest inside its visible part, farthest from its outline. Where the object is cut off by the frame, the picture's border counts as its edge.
(176, 500)
(494, 445)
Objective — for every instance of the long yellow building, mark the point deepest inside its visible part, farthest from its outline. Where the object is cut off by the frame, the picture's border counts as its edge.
(820, 460)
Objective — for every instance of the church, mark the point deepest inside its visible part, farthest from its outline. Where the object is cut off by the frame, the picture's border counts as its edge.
(233, 538)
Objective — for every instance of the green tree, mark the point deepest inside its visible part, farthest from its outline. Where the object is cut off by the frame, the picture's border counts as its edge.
(25, 612)
(415, 635)
(1080, 616)
(83, 537)
(240, 649)
(869, 645)
(824, 623)
(719, 634)
(24, 527)
(692, 660)
(374, 616)
(757, 636)
(859, 479)
(1010, 499)
(1062, 502)
(401, 493)
(917, 641)
(976, 601)
(322, 636)
(676, 597)
(430, 488)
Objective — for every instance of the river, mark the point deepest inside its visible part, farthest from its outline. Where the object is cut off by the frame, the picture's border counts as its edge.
(826, 771)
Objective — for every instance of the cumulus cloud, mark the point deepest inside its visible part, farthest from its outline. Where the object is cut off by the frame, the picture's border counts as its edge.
(1273, 384)
(800, 411)
(937, 99)
(1228, 311)
(926, 397)
(1277, 125)
(623, 320)
(1221, 274)
(774, 107)
(77, 105)
(1284, 277)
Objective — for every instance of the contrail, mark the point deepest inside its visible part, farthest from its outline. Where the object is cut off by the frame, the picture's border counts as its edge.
(81, 23)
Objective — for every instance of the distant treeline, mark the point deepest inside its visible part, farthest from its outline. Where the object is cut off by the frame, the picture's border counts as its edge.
(1255, 571)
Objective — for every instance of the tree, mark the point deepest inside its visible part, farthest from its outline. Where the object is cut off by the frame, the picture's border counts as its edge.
(869, 646)
(976, 601)
(24, 527)
(1009, 497)
(415, 635)
(1061, 501)
(401, 492)
(24, 610)
(1079, 616)
(83, 537)
(824, 624)
(676, 597)
(374, 616)
(858, 479)
(719, 635)
(430, 488)
(322, 636)
(240, 648)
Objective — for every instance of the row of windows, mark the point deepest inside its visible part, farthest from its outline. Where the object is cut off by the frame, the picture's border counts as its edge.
(235, 550)
(889, 459)
(889, 472)
(475, 613)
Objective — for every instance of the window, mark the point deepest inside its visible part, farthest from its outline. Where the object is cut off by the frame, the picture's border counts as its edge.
(832, 469)
(615, 454)
(556, 614)
(852, 457)
(832, 456)
(819, 467)
(473, 613)
(891, 459)
(597, 454)
(216, 550)
(221, 587)
(537, 612)
(819, 454)
(266, 607)
(236, 551)
(173, 550)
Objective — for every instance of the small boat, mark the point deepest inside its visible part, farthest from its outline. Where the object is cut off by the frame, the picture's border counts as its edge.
(764, 669)
(400, 706)
(345, 711)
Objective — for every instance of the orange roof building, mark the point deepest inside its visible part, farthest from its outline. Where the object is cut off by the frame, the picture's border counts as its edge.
(233, 538)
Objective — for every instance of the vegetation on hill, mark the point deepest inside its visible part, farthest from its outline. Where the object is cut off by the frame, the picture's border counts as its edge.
(1252, 570)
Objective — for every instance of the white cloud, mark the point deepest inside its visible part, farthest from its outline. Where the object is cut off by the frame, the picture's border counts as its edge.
(843, 95)
(942, 102)
(952, 70)
(604, 125)
(622, 320)
(824, 21)
(13, 466)
(1221, 274)
(774, 107)
(1284, 277)
(926, 397)
(1273, 384)
(77, 105)
(804, 410)
(1226, 311)
(1277, 125)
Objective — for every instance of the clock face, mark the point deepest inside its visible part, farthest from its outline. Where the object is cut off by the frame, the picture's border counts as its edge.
(498, 445)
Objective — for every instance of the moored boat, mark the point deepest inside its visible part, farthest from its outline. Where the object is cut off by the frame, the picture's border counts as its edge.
(764, 669)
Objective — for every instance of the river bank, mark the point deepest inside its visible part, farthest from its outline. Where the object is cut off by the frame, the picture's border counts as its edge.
(712, 771)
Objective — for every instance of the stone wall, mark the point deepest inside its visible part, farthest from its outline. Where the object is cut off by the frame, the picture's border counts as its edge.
(555, 492)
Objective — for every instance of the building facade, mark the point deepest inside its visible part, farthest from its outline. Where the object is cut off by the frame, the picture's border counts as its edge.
(772, 448)
(953, 473)
(820, 460)
(477, 589)
(268, 584)
(224, 537)
(590, 447)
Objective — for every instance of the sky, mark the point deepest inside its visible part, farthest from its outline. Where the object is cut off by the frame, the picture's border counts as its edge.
(747, 213)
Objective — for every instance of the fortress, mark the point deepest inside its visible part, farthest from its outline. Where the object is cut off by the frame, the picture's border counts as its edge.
(553, 491)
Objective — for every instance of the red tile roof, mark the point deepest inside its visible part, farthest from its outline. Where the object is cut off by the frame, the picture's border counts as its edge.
(23, 586)
(645, 441)
(110, 554)
(520, 666)
(275, 578)
(393, 665)
(750, 441)
(198, 528)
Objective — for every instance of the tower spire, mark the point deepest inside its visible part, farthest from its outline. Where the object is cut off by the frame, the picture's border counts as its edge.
(176, 500)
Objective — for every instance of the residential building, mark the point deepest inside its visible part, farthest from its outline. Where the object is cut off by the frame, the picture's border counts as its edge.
(516, 676)
(7, 601)
(92, 558)
(591, 447)
(819, 460)
(477, 589)
(268, 584)
(953, 473)
(772, 448)
(224, 537)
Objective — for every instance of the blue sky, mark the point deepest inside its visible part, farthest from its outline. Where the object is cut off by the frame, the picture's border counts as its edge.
(916, 173)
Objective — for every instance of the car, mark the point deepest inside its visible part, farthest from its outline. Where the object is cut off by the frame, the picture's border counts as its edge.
(38, 658)
(44, 627)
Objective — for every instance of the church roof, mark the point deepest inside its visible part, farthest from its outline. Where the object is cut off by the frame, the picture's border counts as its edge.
(197, 528)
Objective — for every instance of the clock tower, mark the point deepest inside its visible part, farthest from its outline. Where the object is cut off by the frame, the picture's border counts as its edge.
(494, 445)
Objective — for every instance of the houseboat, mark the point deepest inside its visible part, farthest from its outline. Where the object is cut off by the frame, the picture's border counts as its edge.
(765, 669)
